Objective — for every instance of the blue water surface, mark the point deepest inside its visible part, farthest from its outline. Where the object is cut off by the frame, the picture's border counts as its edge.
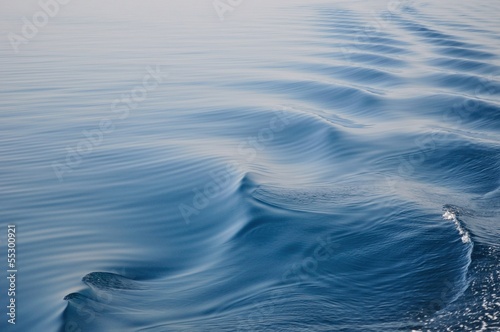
(298, 166)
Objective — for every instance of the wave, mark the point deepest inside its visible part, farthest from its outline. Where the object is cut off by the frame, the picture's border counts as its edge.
(291, 173)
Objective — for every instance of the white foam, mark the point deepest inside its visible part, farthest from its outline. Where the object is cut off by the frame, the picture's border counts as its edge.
(449, 215)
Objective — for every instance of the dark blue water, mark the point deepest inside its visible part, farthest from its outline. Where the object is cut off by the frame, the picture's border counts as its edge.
(299, 166)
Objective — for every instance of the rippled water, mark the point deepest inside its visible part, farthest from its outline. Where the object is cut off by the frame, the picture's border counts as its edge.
(299, 166)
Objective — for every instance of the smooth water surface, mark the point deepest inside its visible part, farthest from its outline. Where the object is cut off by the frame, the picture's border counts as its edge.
(299, 166)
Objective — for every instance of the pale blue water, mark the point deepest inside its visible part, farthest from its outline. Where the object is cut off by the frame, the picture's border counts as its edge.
(300, 166)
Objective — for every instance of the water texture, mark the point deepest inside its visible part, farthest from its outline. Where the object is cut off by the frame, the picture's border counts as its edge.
(298, 166)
